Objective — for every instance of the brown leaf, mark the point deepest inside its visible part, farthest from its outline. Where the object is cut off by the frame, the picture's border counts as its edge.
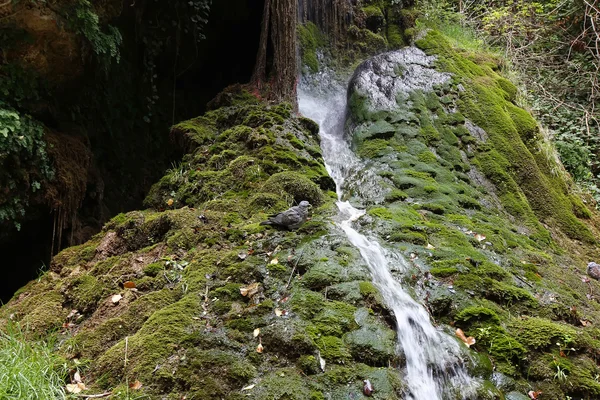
(534, 395)
(129, 285)
(468, 341)
(250, 290)
(137, 385)
(585, 322)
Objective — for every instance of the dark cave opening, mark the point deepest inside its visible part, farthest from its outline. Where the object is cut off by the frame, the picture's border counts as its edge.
(129, 154)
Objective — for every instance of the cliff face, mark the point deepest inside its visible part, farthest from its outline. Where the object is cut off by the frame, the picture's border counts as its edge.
(192, 297)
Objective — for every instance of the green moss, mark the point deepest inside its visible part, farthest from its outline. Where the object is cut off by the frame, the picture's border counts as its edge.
(333, 349)
(396, 195)
(307, 303)
(374, 148)
(151, 345)
(471, 315)
(410, 237)
(539, 333)
(296, 186)
(486, 102)
(85, 292)
(443, 272)
(311, 39)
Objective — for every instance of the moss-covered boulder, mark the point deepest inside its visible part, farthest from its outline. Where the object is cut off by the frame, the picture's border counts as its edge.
(495, 235)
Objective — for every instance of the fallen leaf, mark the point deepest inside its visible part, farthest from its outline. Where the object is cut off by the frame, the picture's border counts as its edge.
(116, 298)
(75, 387)
(242, 255)
(137, 385)
(585, 322)
(259, 348)
(274, 261)
(585, 280)
(77, 377)
(72, 314)
(250, 290)
(129, 285)
(249, 387)
(430, 247)
(256, 332)
(278, 312)
(534, 395)
(468, 341)
(170, 202)
(479, 237)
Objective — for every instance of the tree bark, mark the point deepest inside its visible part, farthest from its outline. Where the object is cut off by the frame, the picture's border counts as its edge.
(260, 68)
(279, 26)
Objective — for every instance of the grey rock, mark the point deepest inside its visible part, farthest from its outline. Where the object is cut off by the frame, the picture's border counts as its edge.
(593, 270)
(516, 396)
(290, 219)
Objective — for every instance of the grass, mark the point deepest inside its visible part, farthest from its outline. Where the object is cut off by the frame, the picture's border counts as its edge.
(29, 370)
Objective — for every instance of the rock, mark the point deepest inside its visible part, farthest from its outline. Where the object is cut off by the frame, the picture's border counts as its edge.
(593, 270)
(516, 396)
(290, 219)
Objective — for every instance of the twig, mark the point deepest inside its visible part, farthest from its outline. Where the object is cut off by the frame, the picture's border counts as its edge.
(522, 280)
(294, 269)
(94, 396)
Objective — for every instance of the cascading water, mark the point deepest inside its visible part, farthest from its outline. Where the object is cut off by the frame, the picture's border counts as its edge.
(434, 361)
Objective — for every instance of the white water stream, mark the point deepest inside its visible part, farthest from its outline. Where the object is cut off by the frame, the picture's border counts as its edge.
(434, 366)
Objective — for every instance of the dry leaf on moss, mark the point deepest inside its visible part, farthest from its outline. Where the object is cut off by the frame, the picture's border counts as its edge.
(468, 341)
(129, 285)
(250, 290)
(137, 385)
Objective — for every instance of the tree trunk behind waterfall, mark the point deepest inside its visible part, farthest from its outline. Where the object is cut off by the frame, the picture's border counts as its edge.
(275, 74)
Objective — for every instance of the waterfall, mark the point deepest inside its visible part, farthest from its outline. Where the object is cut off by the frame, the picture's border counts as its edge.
(434, 360)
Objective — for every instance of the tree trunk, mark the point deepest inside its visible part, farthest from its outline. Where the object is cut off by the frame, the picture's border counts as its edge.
(278, 26)
(260, 68)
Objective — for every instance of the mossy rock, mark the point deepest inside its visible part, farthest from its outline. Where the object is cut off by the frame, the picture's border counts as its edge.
(296, 186)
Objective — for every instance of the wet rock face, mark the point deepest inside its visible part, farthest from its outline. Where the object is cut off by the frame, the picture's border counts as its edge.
(382, 78)
(53, 51)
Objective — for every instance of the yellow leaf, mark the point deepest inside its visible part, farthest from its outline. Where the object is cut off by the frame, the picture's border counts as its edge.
(274, 261)
(170, 202)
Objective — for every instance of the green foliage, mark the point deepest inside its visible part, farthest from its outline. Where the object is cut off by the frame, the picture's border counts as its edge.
(23, 160)
(84, 20)
(29, 370)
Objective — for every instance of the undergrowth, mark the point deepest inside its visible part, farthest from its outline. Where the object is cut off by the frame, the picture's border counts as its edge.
(29, 370)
